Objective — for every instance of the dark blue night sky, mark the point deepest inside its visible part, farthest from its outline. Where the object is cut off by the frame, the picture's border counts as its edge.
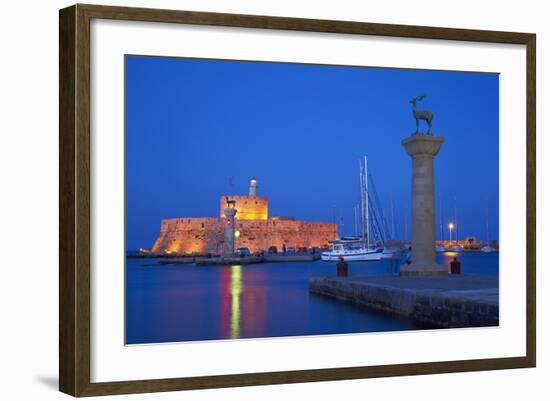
(197, 129)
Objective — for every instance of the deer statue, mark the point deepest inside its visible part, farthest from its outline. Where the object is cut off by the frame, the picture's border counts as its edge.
(422, 115)
(230, 202)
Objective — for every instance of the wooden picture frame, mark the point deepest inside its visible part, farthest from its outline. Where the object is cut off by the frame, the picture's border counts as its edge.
(74, 203)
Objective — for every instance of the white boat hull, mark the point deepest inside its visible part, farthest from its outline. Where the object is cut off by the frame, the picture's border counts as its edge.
(391, 253)
(351, 256)
(488, 249)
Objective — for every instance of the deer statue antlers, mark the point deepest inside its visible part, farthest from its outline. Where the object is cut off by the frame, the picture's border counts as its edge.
(416, 99)
(425, 115)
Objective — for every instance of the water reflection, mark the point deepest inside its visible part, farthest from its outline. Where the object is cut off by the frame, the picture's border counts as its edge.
(243, 294)
(471, 262)
(187, 303)
(235, 290)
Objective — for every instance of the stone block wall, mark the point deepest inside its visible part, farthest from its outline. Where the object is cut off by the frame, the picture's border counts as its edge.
(189, 235)
(203, 235)
(248, 207)
(253, 235)
(298, 234)
(432, 308)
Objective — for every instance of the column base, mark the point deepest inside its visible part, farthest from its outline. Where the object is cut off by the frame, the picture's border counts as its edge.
(416, 270)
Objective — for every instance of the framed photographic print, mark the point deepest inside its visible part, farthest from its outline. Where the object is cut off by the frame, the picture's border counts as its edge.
(250, 200)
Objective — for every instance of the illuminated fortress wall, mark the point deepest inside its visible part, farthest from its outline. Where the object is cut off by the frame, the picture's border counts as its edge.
(248, 207)
(256, 230)
(188, 235)
(205, 235)
(260, 235)
(298, 234)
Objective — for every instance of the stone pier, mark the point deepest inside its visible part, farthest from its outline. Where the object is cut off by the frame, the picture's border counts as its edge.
(422, 149)
(451, 302)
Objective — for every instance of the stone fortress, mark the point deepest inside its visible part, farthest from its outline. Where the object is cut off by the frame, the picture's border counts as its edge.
(251, 227)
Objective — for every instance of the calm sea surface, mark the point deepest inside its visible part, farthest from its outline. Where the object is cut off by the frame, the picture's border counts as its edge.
(169, 303)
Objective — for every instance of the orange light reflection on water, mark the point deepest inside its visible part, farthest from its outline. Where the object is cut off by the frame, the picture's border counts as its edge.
(243, 306)
(235, 289)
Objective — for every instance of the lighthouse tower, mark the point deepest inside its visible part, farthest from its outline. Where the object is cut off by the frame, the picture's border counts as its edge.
(253, 188)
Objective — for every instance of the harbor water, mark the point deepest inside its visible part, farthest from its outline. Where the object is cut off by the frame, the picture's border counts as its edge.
(174, 303)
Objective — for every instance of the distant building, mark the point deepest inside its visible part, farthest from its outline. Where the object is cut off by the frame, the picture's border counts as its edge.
(470, 243)
(254, 229)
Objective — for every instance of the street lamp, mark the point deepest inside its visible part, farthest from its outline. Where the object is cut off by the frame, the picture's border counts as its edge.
(451, 226)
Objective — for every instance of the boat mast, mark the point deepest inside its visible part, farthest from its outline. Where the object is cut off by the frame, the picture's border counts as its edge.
(335, 220)
(362, 200)
(367, 202)
(487, 225)
(342, 223)
(456, 223)
(392, 220)
(355, 219)
(440, 218)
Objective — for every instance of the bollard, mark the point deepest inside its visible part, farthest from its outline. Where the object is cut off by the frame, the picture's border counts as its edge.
(341, 268)
(455, 266)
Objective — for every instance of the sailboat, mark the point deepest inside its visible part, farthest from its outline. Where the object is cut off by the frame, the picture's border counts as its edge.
(354, 249)
(487, 248)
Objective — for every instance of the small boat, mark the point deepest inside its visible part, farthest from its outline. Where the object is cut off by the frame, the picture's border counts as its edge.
(440, 249)
(456, 248)
(352, 250)
(487, 249)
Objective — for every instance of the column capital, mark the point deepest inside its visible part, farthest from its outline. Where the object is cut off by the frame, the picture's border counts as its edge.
(422, 145)
(229, 212)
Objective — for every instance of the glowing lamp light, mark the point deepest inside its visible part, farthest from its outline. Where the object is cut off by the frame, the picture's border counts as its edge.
(237, 234)
(451, 226)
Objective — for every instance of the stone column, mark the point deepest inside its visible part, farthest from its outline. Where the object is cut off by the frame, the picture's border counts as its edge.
(423, 149)
(229, 238)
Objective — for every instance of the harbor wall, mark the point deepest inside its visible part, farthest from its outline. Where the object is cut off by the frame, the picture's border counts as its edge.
(463, 303)
(260, 235)
(190, 235)
(206, 234)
